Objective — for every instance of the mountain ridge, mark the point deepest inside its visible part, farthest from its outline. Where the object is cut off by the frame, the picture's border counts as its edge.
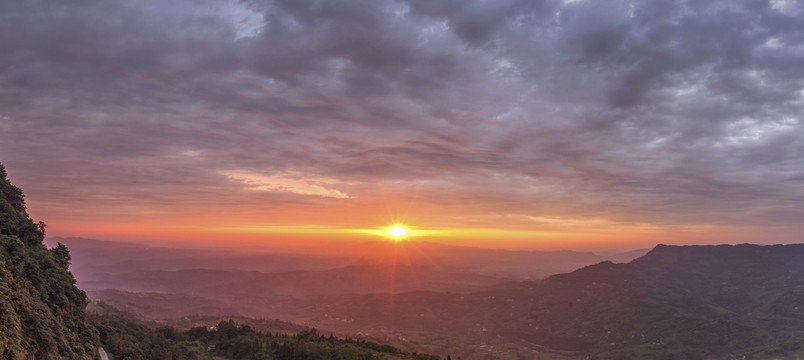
(691, 302)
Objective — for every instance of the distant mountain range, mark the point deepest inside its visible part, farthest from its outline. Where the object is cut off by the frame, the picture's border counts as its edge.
(675, 302)
(377, 267)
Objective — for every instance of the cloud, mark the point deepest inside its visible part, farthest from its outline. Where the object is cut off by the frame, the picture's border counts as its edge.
(289, 182)
(671, 113)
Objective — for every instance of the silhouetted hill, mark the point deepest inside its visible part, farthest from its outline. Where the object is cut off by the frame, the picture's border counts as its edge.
(689, 302)
(676, 302)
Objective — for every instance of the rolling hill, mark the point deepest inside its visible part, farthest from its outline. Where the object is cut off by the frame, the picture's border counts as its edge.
(676, 302)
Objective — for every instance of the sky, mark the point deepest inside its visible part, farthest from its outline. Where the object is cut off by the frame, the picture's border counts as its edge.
(498, 123)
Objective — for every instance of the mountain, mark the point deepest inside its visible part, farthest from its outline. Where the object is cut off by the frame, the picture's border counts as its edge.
(273, 284)
(676, 302)
(100, 261)
(691, 302)
(41, 310)
(158, 282)
(100, 264)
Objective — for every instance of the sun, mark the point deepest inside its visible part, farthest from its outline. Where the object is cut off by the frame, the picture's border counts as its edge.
(397, 231)
(394, 232)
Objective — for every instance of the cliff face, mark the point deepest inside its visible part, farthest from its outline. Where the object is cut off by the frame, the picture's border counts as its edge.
(41, 310)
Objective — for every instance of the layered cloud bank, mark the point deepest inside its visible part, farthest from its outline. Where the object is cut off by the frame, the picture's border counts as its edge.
(589, 117)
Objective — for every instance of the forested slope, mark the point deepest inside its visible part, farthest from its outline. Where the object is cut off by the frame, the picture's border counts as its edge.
(41, 310)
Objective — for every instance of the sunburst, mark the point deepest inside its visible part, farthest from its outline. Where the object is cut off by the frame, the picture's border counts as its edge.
(397, 231)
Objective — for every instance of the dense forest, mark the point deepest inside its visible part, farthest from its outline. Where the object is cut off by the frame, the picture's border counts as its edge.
(132, 339)
(43, 314)
(41, 311)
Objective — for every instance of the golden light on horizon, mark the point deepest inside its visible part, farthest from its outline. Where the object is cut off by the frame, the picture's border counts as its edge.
(553, 237)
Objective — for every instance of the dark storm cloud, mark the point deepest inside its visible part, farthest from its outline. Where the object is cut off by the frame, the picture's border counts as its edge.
(666, 112)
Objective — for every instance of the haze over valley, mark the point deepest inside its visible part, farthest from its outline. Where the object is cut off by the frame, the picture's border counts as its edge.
(277, 285)
(472, 302)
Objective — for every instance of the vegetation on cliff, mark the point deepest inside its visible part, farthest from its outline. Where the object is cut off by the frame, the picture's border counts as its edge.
(41, 310)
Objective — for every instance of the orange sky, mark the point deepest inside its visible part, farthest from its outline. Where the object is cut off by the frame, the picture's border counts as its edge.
(571, 124)
(352, 221)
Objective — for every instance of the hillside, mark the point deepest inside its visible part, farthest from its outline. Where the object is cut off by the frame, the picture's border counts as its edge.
(41, 310)
(676, 302)
(691, 302)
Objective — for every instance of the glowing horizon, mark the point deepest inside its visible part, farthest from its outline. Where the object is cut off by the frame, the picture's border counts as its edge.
(601, 238)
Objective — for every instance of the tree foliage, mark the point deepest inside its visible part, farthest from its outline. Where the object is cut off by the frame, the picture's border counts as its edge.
(131, 339)
(41, 310)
